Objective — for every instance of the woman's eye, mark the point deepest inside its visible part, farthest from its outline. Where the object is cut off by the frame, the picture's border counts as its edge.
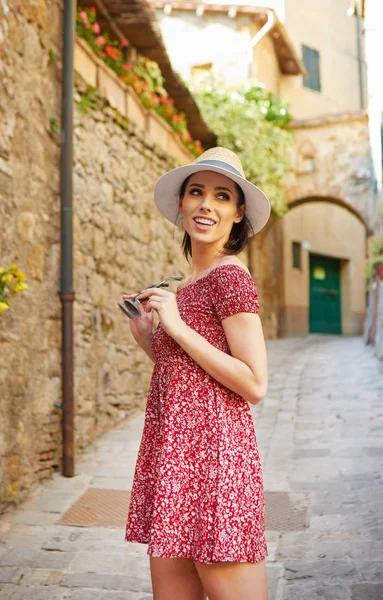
(195, 192)
(223, 196)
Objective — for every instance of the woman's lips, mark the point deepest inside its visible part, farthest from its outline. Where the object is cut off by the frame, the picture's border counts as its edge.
(204, 226)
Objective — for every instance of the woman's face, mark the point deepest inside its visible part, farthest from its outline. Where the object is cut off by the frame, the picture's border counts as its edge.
(209, 207)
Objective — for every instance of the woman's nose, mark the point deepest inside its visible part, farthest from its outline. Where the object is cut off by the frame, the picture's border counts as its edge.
(206, 202)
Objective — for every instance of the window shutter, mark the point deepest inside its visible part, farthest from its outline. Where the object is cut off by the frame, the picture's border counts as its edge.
(311, 60)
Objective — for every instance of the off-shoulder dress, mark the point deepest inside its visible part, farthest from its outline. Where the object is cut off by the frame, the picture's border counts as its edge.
(197, 490)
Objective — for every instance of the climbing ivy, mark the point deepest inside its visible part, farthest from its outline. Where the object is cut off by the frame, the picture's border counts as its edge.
(253, 123)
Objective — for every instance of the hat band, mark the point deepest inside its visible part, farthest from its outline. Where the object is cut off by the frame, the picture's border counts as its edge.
(221, 164)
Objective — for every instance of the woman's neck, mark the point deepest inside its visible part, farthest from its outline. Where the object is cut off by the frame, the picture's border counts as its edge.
(204, 258)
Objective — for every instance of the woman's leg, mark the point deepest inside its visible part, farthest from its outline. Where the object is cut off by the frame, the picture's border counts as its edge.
(175, 579)
(231, 581)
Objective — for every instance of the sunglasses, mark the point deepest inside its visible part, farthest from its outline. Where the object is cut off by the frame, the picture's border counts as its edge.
(131, 306)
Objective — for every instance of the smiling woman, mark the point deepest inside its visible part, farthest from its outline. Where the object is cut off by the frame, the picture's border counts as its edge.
(229, 192)
(197, 497)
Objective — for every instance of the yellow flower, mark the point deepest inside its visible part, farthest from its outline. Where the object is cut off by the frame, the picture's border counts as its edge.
(3, 306)
(13, 269)
(21, 276)
(8, 277)
(20, 287)
(1, 270)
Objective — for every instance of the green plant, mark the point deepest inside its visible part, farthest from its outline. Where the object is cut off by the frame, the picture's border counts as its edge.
(144, 76)
(377, 245)
(53, 54)
(90, 98)
(253, 123)
(372, 263)
(11, 282)
(54, 124)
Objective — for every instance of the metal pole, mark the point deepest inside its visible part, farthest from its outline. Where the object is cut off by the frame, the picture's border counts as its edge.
(67, 293)
(360, 62)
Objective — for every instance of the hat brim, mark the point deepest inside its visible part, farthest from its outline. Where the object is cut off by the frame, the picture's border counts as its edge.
(167, 188)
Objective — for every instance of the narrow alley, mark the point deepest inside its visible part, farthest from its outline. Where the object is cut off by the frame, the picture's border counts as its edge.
(320, 433)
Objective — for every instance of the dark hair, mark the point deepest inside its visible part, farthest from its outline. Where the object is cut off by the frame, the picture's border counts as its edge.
(239, 233)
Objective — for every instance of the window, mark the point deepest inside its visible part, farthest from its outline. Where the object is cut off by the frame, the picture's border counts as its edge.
(296, 255)
(311, 59)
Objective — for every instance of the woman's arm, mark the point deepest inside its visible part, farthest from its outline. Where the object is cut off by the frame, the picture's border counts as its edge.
(145, 344)
(245, 372)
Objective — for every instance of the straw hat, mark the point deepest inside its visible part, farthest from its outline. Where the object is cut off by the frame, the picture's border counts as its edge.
(219, 160)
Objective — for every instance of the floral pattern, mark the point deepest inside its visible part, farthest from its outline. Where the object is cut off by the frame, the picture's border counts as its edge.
(198, 491)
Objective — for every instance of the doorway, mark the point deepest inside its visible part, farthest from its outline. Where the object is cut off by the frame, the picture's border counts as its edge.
(325, 304)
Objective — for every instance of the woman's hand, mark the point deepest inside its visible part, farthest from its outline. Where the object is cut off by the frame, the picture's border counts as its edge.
(165, 305)
(141, 327)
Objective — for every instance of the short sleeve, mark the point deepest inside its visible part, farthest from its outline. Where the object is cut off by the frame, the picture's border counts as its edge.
(232, 291)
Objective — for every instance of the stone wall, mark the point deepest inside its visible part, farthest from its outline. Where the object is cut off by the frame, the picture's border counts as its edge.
(340, 150)
(29, 215)
(122, 244)
(266, 265)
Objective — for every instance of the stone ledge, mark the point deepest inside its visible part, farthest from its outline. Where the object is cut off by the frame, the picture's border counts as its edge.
(123, 98)
(324, 120)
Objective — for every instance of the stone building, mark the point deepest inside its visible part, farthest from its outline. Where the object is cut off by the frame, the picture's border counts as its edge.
(309, 266)
(120, 242)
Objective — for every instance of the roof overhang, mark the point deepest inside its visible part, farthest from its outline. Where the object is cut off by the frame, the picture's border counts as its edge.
(288, 59)
(135, 20)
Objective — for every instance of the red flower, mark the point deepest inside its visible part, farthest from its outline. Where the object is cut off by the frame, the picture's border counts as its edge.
(96, 28)
(84, 17)
(127, 67)
(112, 52)
(100, 40)
(124, 43)
(93, 9)
(177, 118)
(155, 99)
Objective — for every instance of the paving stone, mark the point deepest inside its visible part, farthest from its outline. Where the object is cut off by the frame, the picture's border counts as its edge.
(107, 581)
(367, 591)
(19, 557)
(81, 594)
(322, 569)
(274, 575)
(27, 557)
(34, 593)
(372, 571)
(86, 562)
(308, 591)
(10, 574)
(42, 577)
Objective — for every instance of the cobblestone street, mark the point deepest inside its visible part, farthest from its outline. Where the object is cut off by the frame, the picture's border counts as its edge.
(320, 433)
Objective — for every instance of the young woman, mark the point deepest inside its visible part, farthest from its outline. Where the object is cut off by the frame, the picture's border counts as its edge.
(197, 497)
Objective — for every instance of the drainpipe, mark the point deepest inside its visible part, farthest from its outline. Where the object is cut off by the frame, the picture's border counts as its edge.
(360, 61)
(259, 36)
(67, 293)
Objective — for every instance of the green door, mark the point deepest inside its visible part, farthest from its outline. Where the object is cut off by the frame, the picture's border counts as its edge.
(324, 295)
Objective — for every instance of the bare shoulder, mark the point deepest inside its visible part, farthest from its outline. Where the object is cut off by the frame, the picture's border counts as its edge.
(233, 260)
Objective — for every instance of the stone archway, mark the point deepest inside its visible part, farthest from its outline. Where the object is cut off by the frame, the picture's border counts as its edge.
(338, 201)
(329, 227)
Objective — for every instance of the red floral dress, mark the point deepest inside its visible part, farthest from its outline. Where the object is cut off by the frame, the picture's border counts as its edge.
(197, 490)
